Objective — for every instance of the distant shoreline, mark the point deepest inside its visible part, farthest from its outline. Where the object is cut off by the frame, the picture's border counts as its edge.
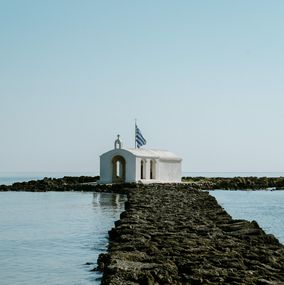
(87, 184)
(235, 183)
(66, 183)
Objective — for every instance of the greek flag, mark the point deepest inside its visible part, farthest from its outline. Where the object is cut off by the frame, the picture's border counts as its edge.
(139, 138)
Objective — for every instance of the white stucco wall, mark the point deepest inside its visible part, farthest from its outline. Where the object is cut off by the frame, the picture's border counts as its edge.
(106, 165)
(166, 170)
(147, 177)
(170, 171)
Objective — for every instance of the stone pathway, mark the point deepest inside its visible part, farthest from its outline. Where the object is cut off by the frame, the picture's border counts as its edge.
(175, 235)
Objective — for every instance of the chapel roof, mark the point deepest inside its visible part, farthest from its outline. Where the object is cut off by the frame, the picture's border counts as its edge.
(154, 153)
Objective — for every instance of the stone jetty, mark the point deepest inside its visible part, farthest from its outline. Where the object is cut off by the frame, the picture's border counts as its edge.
(173, 234)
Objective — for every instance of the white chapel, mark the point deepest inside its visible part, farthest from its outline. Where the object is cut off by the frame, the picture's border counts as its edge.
(121, 165)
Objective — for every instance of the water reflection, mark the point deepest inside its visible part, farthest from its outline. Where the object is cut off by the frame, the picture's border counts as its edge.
(109, 200)
(104, 205)
(75, 234)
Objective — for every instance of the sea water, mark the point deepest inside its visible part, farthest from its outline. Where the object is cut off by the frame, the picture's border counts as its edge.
(54, 237)
(264, 206)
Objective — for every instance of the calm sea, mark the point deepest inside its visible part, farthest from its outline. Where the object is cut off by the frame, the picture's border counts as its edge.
(265, 207)
(47, 238)
(56, 237)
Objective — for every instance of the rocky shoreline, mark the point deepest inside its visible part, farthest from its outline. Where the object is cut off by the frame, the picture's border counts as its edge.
(173, 234)
(88, 183)
(67, 183)
(235, 183)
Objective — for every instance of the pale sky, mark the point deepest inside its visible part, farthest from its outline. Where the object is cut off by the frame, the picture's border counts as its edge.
(203, 78)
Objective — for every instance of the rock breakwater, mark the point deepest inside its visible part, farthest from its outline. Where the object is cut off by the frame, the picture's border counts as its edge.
(235, 183)
(67, 183)
(171, 234)
(87, 183)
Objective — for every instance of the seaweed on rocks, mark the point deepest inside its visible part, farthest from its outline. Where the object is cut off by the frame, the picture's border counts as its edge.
(173, 234)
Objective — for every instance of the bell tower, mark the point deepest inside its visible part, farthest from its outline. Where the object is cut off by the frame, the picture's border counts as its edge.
(118, 143)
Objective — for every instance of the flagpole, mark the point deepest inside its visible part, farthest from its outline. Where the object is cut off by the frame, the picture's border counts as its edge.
(135, 133)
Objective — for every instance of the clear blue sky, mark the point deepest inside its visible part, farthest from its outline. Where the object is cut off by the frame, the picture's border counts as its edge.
(203, 78)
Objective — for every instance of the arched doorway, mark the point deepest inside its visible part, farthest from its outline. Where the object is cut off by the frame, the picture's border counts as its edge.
(118, 169)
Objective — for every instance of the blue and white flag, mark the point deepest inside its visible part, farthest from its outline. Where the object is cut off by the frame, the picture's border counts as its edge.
(139, 138)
